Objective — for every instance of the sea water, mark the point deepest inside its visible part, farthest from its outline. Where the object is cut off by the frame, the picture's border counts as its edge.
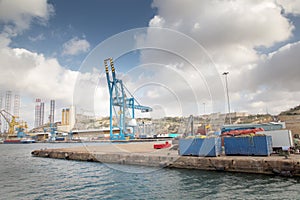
(25, 177)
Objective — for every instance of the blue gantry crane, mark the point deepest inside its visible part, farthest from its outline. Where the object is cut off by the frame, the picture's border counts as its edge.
(122, 105)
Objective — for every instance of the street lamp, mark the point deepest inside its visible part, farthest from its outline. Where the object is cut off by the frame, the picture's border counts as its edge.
(204, 118)
(226, 82)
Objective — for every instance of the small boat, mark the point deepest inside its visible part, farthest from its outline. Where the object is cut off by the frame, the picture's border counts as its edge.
(59, 139)
(19, 141)
(162, 146)
(27, 141)
(12, 141)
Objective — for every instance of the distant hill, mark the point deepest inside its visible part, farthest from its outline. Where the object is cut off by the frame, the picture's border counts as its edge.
(292, 119)
(292, 111)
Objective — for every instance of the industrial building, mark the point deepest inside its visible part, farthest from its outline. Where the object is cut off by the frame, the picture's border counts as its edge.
(6, 104)
(39, 113)
(67, 119)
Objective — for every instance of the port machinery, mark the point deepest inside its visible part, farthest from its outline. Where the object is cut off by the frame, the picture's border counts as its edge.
(13, 124)
(122, 105)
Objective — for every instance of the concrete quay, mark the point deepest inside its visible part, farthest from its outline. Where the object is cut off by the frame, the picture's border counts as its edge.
(144, 154)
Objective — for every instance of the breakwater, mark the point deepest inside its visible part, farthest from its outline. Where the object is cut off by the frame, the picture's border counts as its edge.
(145, 155)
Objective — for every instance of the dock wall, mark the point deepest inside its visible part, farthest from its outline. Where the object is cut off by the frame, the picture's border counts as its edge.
(247, 164)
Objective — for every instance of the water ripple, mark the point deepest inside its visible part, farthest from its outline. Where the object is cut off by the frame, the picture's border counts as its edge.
(26, 177)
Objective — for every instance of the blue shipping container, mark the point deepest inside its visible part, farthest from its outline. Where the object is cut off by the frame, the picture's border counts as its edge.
(256, 145)
(208, 147)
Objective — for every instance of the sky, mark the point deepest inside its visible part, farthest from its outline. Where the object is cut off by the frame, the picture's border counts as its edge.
(170, 54)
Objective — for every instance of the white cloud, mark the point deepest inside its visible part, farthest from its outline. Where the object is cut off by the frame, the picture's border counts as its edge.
(157, 21)
(76, 46)
(37, 38)
(23, 71)
(32, 74)
(35, 74)
(290, 6)
(4, 40)
(231, 32)
(18, 15)
(280, 71)
(247, 23)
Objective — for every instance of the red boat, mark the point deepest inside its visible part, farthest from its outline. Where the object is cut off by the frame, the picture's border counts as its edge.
(12, 141)
(162, 146)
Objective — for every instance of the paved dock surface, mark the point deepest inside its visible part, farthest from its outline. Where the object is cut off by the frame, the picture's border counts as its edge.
(143, 147)
(145, 154)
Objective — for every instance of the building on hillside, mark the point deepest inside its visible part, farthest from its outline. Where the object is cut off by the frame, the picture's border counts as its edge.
(67, 119)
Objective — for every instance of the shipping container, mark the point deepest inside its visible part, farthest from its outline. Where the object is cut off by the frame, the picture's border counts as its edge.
(280, 138)
(266, 126)
(204, 147)
(248, 145)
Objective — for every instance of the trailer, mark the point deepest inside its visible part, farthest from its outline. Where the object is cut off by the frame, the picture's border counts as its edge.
(281, 139)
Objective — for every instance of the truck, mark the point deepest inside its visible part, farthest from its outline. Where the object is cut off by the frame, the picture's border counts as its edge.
(281, 139)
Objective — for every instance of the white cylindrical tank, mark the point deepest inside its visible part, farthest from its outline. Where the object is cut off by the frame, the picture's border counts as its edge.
(132, 122)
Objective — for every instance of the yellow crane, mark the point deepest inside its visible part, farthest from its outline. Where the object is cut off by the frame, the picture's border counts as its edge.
(12, 123)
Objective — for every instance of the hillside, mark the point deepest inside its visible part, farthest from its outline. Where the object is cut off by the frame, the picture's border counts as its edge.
(292, 119)
(292, 111)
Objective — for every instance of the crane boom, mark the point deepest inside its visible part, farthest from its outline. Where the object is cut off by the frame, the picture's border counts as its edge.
(123, 101)
(3, 115)
(12, 123)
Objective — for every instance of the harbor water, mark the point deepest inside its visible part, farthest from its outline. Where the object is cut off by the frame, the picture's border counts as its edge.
(25, 177)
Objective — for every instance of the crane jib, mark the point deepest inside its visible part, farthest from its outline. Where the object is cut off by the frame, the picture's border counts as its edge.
(122, 103)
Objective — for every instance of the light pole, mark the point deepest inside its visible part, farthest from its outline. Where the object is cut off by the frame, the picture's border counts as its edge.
(226, 82)
(204, 118)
